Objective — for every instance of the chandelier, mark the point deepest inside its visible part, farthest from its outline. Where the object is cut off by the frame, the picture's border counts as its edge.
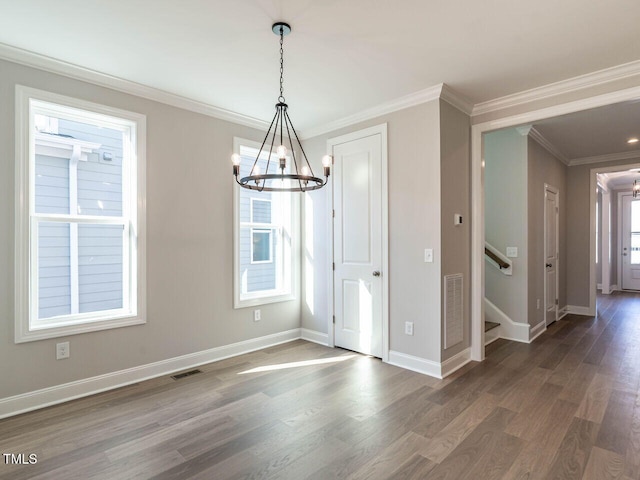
(636, 188)
(295, 172)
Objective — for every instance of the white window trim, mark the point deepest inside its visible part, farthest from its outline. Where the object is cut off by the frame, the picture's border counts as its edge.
(265, 296)
(25, 194)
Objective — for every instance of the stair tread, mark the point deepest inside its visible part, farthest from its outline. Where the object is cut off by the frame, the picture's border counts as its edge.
(490, 325)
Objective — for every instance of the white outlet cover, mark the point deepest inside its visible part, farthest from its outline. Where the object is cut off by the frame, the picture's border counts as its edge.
(428, 255)
(512, 252)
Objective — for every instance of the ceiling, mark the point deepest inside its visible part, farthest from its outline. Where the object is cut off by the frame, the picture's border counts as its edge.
(342, 57)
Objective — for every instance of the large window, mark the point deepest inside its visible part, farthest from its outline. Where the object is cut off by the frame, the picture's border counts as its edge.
(79, 218)
(266, 238)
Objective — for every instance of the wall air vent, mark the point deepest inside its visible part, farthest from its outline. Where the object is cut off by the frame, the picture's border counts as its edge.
(178, 376)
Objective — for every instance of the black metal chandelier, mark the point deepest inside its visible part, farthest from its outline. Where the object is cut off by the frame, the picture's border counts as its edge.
(296, 174)
(636, 188)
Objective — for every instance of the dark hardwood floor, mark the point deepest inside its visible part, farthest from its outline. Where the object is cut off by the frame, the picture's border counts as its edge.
(566, 406)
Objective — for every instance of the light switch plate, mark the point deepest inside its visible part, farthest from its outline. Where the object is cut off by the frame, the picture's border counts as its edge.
(512, 252)
(428, 255)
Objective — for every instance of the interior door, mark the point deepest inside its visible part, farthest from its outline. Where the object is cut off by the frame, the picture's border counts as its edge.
(551, 212)
(630, 243)
(357, 244)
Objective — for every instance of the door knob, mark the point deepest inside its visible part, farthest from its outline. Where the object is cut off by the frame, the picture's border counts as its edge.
(624, 254)
(548, 265)
(376, 273)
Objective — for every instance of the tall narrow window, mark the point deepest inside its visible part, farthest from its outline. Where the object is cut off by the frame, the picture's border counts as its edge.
(79, 232)
(266, 237)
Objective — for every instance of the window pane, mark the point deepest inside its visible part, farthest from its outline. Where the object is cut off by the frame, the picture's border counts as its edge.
(54, 275)
(256, 277)
(100, 267)
(261, 246)
(51, 184)
(635, 216)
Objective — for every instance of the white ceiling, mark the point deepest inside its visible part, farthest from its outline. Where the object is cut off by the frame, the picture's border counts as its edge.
(342, 57)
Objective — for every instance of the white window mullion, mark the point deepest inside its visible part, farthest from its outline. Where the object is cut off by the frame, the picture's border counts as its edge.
(73, 230)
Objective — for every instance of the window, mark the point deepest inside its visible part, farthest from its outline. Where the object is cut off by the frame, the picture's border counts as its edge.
(266, 238)
(79, 218)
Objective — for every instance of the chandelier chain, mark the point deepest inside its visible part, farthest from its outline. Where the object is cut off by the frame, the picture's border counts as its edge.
(281, 97)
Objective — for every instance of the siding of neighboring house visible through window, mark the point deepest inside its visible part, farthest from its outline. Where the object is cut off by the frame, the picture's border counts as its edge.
(259, 276)
(100, 247)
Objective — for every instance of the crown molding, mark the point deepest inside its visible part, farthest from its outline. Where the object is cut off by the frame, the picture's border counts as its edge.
(59, 67)
(456, 99)
(573, 84)
(413, 99)
(610, 157)
(548, 146)
(524, 130)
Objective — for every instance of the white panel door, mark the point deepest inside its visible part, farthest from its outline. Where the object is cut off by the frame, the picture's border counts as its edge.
(550, 255)
(357, 200)
(630, 243)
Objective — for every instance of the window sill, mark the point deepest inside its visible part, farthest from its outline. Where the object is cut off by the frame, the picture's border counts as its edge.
(43, 332)
(253, 302)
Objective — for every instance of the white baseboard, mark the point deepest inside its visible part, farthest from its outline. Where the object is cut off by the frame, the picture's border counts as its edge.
(509, 329)
(578, 310)
(562, 313)
(456, 362)
(536, 331)
(416, 364)
(613, 288)
(429, 367)
(81, 388)
(314, 336)
(599, 286)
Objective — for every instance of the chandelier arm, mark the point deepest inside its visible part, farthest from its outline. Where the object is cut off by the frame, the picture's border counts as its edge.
(275, 130)
(293, 155)
(299, 143)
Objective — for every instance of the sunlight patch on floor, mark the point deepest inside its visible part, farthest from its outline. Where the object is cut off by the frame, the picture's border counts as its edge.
(304, 363)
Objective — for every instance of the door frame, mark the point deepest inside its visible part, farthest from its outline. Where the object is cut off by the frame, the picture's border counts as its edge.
(331, 142)
(556, 192)
(620, 275)
(477, 198)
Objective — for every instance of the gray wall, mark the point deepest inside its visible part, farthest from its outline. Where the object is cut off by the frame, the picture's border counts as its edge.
(414, 224)
(455, 185)
(543, 168)
(505, 180)
(189, 245)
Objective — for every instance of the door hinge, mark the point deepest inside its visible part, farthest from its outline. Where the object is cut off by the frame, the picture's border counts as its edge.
(334, 319)
(334, 265)
(556, 301)
(334, 214)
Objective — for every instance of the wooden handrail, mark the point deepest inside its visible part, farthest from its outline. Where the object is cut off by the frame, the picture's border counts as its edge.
(501, 263)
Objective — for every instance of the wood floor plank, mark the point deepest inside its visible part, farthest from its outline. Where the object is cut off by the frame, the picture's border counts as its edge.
(572, 456)
(604, 465)
(615, 428)
(596, 398)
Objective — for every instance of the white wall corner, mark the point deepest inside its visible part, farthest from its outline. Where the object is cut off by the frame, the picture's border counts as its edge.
(536, 331)
(416, 364)
(81, 388)
(314, 336)
(578, 310)
(456, 362)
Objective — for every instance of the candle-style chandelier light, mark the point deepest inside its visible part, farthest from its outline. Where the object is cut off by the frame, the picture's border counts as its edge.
(635, 188)
(295, 172)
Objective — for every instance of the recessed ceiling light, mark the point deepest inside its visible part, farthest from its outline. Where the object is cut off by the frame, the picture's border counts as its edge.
(632, 140)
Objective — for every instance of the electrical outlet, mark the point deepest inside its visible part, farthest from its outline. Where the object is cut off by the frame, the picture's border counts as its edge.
(408, 328)
(512, 252)
(257, 316)
(62, 350)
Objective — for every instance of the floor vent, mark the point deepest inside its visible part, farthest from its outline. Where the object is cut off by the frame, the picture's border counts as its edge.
(178, 376)
(453, 316)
